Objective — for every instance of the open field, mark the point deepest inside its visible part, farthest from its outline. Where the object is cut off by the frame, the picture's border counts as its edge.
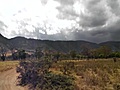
(7, 65)
(97, 74)
(100, 74)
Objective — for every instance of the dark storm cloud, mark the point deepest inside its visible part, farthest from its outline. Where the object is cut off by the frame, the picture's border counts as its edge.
(95, 20)
(97, 16)
(111, 33)
(88, 36)
(114, 31)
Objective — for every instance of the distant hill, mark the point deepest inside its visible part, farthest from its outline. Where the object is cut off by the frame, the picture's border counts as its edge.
(61, 46)
(4, 42)
(114, 45)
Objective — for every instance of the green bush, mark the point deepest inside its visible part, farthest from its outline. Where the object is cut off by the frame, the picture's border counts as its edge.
(36, 74)
(56, 82)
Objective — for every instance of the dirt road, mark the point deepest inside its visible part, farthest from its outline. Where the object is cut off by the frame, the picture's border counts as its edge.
(8, 80)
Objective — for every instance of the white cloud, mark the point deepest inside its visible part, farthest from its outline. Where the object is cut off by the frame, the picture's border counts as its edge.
(18, 13)
(54, 19)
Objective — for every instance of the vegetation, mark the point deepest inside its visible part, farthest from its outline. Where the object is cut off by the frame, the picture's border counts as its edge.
(7, 65)
(3, 53)
(60, 65)
(19, 54)
(93, 74)
(38, 76)
(44, 74)
(99, 69)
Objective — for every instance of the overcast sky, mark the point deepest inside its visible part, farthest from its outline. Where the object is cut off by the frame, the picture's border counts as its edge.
(91, 20)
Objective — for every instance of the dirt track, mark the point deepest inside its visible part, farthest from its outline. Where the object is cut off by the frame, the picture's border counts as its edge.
(8, 80)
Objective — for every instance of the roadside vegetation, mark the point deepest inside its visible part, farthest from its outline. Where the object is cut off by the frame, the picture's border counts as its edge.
(49, 72)
(7, 65)
(90, 69)
(100, 74)
(92, 74)
(37, 75)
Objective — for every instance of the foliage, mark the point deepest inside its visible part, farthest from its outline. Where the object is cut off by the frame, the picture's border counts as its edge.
(73, 54)
(56, 82)
(93, 74)
(67, 68)
(57, 55)
(22, 54)
(36, 74)
(38, 53)
(3, 53)
(19, 54)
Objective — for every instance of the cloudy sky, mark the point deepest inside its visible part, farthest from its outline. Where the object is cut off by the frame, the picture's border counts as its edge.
(90, 20)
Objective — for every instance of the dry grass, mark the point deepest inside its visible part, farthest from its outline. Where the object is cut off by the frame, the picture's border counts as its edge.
(100, 74)
(7, 65)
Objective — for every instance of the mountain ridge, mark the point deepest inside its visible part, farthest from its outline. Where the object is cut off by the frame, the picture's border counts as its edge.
(58, 45)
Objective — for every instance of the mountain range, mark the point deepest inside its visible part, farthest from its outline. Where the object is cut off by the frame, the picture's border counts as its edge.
(61, 46)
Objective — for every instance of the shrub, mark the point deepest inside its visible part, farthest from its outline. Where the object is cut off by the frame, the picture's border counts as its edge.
(56, 82)
(36, 74)
(68, 67)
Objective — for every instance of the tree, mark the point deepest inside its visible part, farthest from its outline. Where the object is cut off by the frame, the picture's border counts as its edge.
(56, 56)
(73, 54)
(78, 56)
(3, 53)
(22, 54)
(38, 53)
(104, 51)
(94, 53)
(36, 74)
(15, 54)
(86, 51)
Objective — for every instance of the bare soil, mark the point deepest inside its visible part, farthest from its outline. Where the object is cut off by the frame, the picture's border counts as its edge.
(8, 80)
